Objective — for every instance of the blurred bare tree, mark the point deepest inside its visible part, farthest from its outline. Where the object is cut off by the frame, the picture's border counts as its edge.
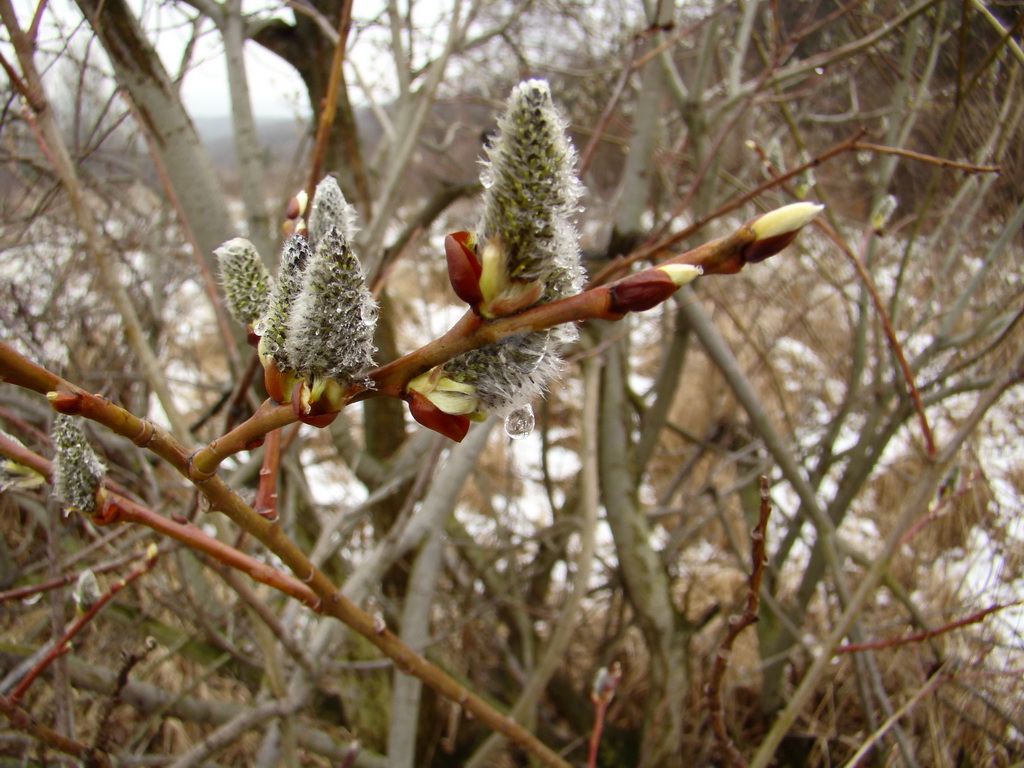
(872, 371)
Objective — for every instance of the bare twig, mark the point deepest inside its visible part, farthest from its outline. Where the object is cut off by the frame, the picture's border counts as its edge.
(654, 247)
(329, 109)
(266, 496)
(329, 599)
(128, 662)
(919, 637)
(62, 646)
(605, 684)
(933, 682)
(737, 624)
(23, 721)
(930, 159)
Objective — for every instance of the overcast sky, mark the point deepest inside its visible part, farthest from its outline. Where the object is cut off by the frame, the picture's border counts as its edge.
(274, 87)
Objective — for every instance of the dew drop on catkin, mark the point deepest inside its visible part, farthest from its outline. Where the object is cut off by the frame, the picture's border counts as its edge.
(519, 423)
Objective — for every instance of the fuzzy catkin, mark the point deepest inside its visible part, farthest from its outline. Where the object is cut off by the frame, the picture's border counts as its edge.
(273, 326)
(530, 201)
(330, 209)
(330, 328)
(77, 473)
(247, 284)
(531, 192)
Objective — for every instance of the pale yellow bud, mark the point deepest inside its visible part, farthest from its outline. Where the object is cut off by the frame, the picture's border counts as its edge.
(682, 274)
(788, 218)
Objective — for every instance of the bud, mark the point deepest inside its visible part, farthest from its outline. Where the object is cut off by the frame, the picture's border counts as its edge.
(273, 325)
(525, 251)
(453, 426)
(643, 290)
(776, 229)
(330, 327)
(453, 397)
(883, 212)
(86, 592)
(78, 473)
(330, 209)
(297, 206)
(245, 278)
(463, 267)
(682, 274)
(527, 235)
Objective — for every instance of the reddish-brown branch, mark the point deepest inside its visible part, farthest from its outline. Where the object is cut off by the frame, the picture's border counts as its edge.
(328, 111)
(119, 509)
(266, 496)
(890, 334)
(602, 695)
(930, 159)
(737, 624)
(122, 510)
(919, 637)
(328, 598)
(24, 722)
(723, 256)
(62, 646)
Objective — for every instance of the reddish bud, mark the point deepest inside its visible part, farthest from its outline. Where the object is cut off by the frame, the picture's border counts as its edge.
(255, 443)
(294, 209)
(641, 291)
(454, 427)
(317, 413)
(759, 250)
(279, 384)
(69, 403)
(463, 267)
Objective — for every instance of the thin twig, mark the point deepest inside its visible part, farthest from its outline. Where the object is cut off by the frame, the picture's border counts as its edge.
(207, 279)
(919, 637)
(604, 691)
(737, 624)
(266, 495)
(62, 646)
(930, 159)
(652, 249)
(933, 682)
(888, 329)
(128, 662)
(23, 721)
(329, 109)
(330, 600)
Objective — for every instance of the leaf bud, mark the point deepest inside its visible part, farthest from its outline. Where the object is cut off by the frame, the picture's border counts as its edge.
(776, 229)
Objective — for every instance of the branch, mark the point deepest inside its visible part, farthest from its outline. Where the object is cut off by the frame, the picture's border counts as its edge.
(23, 721)
(737, 624)
(62, 646)
(40, 115)
(919, 637)
(329, 599)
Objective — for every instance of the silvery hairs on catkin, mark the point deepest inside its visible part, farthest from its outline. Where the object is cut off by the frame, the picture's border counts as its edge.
(531, 197)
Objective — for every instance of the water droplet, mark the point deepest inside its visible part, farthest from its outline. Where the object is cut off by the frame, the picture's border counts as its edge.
(519, 423)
